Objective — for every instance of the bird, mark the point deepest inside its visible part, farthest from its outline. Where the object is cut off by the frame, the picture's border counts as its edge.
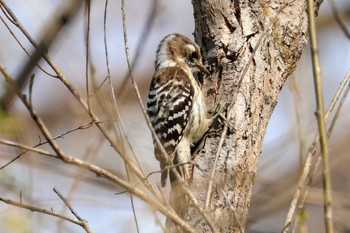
(176, 105)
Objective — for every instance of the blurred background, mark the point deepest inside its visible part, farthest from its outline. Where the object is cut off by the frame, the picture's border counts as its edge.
(289, 134)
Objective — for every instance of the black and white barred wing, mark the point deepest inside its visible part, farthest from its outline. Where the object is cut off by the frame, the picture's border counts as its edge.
(169, 105)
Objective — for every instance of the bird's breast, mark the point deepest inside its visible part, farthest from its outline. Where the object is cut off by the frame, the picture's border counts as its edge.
(196, 123)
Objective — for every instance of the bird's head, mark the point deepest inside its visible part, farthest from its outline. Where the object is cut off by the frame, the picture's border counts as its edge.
(178, 50)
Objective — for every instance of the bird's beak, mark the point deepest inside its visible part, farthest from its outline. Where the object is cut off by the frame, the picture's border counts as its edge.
(200, 65)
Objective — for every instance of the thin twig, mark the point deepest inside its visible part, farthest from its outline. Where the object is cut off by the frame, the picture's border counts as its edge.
(327, 188)
(39, 122)
(105, 40)
(149, 22)
(340, 106)
(84, 126)
(230, 206)
(84, 223)
(18, 42)
(65, 201)
(87, 56)
(117, 116)
(26, 148)
(212, 174)
(161, 171)
(339, 19)
(296, 100)
(13, 160)
(92, 148)
(40, 210)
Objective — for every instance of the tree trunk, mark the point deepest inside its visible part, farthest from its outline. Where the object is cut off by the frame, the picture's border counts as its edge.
(251, 48)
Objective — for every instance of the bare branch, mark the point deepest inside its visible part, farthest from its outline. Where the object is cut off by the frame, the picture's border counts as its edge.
(83, 222)
(26, 148)
(326, 180)
(39, 122)
(40, 210)
(149, 22)
(84, 126)
(340, 107)
(17, 40)
(117, 116)
(339, 19)
(296, 100)
(87, 57)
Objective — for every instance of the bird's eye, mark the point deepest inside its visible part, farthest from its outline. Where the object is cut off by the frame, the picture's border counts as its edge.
(194, 55)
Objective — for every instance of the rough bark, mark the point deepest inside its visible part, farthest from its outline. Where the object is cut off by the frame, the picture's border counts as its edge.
(251, 47)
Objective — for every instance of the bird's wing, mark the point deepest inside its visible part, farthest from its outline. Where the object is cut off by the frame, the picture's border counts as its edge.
(169, 105)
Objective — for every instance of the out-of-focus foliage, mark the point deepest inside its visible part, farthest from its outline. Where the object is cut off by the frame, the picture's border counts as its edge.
(9, 124)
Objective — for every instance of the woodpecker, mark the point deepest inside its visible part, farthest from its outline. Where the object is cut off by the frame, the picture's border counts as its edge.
(176, 104)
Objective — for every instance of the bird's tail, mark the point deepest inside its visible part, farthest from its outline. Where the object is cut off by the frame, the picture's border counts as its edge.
(178, 197)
